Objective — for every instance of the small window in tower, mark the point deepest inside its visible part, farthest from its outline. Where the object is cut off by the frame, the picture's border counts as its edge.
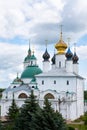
(42, 81)
(31, 62)
(14, 86)
(59, 64)
(54, 81)
(67, 82)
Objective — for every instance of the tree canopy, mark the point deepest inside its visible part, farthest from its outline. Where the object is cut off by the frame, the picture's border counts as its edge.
(13, 110)
(32, 117)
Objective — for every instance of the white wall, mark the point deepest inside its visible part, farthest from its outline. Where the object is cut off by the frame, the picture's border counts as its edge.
(60, 59)
(61, 83)
(46, 66)
(80, 97)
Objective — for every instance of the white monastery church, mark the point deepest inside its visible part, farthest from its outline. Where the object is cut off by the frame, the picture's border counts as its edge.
(61, 84)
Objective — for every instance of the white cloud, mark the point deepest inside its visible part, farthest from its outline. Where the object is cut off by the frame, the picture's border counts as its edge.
(19, 17)
(38, 20)
(22, 17)
(82, 51)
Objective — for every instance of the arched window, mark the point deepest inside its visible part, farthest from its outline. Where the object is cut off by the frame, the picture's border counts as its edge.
(54, 81)
(49, 96)
(67, 82)
(42, 82)
(14, 86)
(22, 95)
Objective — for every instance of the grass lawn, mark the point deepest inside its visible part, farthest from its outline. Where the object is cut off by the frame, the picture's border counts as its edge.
(79, 126)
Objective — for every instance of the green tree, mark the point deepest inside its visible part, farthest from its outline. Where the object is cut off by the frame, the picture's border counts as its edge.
(27, 111)
(85, 118)
(48, 119)
(53, 120)
(85, 95)
(13, 110)
(32, 117)
(1, 127)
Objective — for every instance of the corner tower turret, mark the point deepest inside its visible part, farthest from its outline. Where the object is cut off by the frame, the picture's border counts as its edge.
(31, 68)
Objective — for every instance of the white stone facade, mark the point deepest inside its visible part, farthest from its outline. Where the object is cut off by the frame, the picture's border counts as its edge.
(62, 85)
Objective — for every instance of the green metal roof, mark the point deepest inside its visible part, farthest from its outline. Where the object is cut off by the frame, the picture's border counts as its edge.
(33, 80)
(27, 58)
(31, 71)
(32, 57)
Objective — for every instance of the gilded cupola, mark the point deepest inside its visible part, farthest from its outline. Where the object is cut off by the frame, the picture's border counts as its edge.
(61, 45)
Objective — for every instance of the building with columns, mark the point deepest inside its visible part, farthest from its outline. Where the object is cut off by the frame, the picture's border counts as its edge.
(61, 83)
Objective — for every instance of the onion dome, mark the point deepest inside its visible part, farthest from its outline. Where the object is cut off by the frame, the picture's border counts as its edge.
(31, 71)
(17, 80)
(46, 56)
(75, 58)
(61, 45)
(69, 54)
(53, 59)
(33, 57)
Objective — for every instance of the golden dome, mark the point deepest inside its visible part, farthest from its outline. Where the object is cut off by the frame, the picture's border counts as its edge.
(61, 46)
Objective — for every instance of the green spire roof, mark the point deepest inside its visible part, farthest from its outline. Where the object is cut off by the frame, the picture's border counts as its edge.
(29, 51)
(27, 58)
(31, 71)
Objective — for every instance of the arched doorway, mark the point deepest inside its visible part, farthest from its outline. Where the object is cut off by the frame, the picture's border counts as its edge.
(22, 95)
(49, 96)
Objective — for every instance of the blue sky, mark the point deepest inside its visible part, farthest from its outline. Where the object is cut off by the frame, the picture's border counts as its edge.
(38, 20)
